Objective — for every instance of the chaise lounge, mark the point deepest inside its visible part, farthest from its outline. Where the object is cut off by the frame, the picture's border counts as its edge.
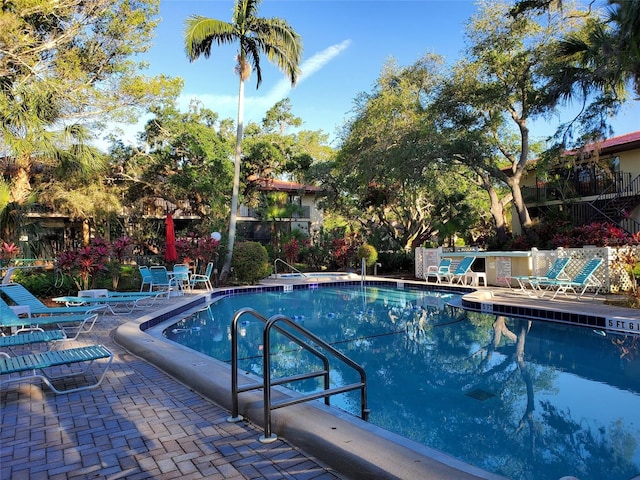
(578, 284)
(71, 325)
(37, 366)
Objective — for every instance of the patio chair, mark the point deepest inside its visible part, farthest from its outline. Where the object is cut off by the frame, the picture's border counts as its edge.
(161, 280)
(460, 272)
(147, 279)
(180, 276)
(578, 284)
(440, 270)
(19, 295)
(197, 279)
(555, 272)
(36, 365)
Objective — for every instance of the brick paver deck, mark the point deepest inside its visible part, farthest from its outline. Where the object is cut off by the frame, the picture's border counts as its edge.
(139, 424)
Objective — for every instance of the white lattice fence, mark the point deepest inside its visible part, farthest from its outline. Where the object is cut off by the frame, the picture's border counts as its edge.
(611, 273)
(542, 260)
(619, 278)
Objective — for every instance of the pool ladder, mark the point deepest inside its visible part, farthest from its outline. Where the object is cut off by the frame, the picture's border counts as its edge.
(304, 339)
(275, 267)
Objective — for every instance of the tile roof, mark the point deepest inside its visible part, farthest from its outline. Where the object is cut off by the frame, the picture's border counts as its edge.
(616, 144)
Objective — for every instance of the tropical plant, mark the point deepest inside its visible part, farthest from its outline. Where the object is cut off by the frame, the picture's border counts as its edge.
(8, 251)
(66, 68)
(255, 35)
(250, 262)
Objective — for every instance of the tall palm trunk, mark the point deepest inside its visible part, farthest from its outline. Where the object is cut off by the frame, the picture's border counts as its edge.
(233, 219)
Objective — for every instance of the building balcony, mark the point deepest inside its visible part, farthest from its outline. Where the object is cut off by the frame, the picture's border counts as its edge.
(258, 214)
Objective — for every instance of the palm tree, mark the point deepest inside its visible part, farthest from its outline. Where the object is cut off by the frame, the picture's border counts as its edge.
(273, 37)
(602, 56)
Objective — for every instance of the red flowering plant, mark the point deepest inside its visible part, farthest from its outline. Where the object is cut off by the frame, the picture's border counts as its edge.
(292, 250)
(8, 251)
(207, 249)
(86, 263)
(120, 249)
(344, 250)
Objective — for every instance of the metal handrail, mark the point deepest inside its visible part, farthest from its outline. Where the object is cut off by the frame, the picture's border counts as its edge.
(267, 382)
(275, 267)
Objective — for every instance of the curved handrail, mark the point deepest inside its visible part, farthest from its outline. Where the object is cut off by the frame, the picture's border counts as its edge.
(362, 385)
(275, 267)
(270, 324)
(235, 389)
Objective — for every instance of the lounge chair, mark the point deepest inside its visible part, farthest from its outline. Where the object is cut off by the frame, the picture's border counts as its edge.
(71, 325)
(578, 284)
(198, 279)
(439, 271)
(556, 272)
(31, 338)
(19, 295)
(460, 272)
(116, 302)
(36, 365)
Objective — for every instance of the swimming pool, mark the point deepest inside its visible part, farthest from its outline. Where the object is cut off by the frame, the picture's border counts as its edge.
(530, 400)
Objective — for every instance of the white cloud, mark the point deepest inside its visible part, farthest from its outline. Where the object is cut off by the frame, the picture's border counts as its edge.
(226, 106)
(257, 105)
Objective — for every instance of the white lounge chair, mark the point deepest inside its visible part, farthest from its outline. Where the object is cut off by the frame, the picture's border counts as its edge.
(460, 272)
(439, 271)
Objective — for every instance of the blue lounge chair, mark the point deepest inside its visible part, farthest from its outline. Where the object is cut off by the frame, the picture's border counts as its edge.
(115, 302)
(31, 338)
(197, 279)
(580, 283)
(19, 295)
(71, 325)
(439, 271)
(555, 272)
(460, 272)
(36, 365)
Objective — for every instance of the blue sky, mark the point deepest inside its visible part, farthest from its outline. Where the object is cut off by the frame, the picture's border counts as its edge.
(346, 43)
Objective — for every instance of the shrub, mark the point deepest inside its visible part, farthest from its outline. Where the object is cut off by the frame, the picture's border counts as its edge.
(396, 262)
(250, 262)
(369, 253)
(44, 283)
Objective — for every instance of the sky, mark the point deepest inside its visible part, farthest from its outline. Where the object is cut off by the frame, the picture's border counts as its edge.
(346, 43)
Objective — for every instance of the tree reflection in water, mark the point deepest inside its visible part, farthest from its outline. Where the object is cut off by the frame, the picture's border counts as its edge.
(525, 399)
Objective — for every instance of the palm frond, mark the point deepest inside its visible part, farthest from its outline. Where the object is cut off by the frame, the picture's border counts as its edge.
(201, 32)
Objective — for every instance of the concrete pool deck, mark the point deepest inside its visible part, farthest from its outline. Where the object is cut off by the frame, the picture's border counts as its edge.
(143, 423)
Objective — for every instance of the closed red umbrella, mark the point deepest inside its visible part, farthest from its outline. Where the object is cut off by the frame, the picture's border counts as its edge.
(170, 253)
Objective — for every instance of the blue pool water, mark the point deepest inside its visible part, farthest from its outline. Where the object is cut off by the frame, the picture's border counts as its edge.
(524, 399)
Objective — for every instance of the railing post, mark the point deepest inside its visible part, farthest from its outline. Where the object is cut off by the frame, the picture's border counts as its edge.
(235, 416)
(268, 437)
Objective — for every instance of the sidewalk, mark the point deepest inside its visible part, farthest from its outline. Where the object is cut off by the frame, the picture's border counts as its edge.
(139, 424)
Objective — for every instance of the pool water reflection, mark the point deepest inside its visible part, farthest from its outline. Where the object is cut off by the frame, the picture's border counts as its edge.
(527, 400)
